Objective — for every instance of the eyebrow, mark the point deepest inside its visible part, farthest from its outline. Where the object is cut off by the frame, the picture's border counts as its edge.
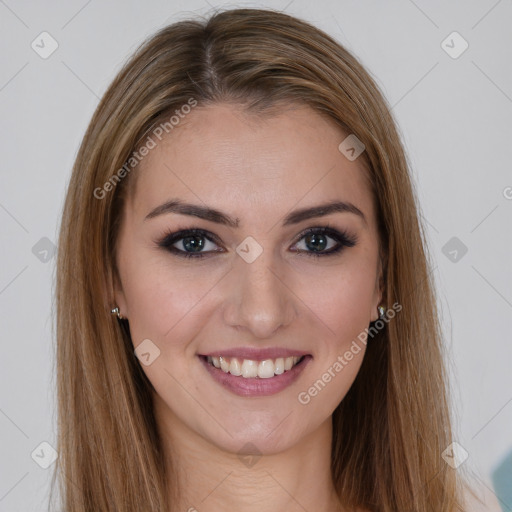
(213, 215)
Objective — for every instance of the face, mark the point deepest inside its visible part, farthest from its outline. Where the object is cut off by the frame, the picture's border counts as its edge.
(250, 277)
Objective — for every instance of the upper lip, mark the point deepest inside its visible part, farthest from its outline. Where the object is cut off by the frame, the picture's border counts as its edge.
(256, 354)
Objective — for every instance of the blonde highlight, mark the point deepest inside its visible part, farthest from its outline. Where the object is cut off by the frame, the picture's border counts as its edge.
(394, 423)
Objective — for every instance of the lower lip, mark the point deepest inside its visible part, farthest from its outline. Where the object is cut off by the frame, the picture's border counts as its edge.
(255, 386)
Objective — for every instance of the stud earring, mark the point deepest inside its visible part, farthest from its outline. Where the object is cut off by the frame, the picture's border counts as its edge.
(382, 312)
(116, 312)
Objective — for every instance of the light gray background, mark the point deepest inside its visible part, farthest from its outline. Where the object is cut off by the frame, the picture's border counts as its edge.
(454, 116)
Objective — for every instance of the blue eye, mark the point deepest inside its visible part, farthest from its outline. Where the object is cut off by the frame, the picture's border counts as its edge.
(317, 240)
(192, 241)
(189, 243)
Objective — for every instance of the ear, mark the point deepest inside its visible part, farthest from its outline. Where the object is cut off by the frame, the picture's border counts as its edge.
(378, 292)
(118, 294)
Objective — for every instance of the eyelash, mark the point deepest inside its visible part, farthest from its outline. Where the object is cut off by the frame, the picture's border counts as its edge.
(341, 237)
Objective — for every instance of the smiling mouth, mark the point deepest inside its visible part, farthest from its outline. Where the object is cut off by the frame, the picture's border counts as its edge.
(250, 369)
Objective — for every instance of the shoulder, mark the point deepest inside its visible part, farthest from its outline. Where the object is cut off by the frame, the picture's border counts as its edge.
(480, 499)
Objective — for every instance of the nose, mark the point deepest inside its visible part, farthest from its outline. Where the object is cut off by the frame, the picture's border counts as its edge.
(258, 299)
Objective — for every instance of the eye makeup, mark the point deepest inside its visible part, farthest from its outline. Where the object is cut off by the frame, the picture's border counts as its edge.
(192, 242)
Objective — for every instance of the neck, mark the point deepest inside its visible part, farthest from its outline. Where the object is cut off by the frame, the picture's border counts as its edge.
(212, 479)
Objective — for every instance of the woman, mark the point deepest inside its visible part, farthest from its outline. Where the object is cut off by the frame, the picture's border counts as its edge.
(245, 316)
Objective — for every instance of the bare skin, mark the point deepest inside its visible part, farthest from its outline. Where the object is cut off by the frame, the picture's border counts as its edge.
(257, 171)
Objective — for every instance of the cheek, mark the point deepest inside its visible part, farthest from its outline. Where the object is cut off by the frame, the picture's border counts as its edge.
(161, 299)
(343, 307)
(341, 297)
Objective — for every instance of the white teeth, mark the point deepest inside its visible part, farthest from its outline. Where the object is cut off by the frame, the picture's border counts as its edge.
(266, 369)
(224, 365)
(235, 368)
(248, 368)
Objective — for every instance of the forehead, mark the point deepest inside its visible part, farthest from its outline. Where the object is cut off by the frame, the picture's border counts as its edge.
(224, 157)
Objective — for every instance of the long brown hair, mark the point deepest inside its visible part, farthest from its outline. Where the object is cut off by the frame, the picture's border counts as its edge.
(391, 428)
